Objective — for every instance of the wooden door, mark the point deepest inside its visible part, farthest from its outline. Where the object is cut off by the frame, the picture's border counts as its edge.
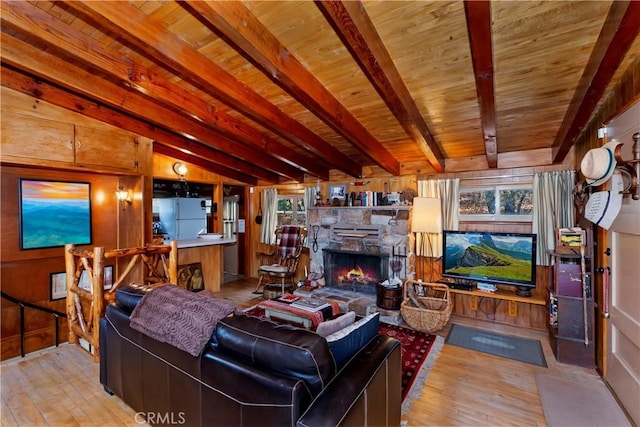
(623, 325)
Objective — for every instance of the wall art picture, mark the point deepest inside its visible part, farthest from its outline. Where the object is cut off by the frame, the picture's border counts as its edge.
(190, 277)
(58, 288)
(54, 213)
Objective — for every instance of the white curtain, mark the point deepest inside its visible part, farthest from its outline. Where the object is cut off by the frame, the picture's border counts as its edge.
(552, 208)
(269, 216)
(448, 191)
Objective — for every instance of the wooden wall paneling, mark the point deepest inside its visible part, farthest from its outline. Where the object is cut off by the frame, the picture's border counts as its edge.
(26, 274)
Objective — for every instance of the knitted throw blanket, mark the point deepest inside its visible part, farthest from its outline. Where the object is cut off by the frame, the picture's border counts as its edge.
(176, 316)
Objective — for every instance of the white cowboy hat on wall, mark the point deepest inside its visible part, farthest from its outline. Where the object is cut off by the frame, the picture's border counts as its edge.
(598, 164)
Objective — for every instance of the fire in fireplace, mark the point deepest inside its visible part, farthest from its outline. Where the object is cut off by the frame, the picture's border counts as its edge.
(355, 271)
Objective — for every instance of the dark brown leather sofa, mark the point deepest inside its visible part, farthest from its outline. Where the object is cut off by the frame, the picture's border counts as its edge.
(253, 372)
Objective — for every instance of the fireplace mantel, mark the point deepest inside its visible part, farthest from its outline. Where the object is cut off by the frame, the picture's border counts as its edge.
(383, 231)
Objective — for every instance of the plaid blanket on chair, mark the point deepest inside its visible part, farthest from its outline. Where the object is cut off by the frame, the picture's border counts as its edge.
(288, 240)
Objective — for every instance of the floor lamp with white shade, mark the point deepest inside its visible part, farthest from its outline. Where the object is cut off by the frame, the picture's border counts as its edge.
(427, 220)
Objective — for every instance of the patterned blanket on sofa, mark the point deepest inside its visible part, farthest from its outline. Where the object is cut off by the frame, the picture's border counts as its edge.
(176, 316)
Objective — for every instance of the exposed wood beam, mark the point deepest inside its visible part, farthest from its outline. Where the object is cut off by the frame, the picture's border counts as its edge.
(49, 67)
(152, 39)
(351, 23)
(478, 13)
(38, 23)
(233, 21)
(619, 31)
(218, 162)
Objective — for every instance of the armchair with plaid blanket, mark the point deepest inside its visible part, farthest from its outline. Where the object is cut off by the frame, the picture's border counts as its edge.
(281, 262)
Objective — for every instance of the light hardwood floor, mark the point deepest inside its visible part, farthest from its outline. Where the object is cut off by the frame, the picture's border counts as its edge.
(60, 386)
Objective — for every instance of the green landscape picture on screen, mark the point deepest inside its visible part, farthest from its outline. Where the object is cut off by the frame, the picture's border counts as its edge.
(54, 213)
(495, 257)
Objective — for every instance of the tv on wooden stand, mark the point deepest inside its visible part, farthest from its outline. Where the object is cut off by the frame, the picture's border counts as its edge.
(491, 257)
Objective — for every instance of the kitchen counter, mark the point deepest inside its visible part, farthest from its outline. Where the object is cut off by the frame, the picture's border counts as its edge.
(209, 254)
(192, 243)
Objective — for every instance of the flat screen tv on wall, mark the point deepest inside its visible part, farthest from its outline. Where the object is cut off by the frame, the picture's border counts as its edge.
(500, 258)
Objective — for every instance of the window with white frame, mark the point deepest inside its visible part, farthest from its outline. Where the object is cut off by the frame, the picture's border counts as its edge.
(291, 210)
(496, 203)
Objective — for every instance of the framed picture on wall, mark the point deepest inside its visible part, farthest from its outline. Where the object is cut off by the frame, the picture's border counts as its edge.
(190, 277)
(338, 192)
(107, 283)
(58, 287)
(54, 213)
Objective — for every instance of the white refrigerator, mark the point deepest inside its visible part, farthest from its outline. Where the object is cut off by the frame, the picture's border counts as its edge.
(182, 217)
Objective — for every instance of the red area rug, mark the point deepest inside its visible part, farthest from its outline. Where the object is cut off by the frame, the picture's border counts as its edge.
(416, 348)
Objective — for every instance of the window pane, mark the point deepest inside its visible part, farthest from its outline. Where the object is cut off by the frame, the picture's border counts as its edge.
(284, 205)
(482, 202)
(516, 202)
(300, 203)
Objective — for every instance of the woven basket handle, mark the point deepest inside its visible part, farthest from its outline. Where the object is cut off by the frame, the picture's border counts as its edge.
(436, 286)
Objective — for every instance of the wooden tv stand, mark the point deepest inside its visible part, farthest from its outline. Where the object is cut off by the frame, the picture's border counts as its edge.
(529, 312)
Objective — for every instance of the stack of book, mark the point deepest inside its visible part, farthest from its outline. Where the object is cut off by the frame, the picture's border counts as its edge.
(310, 304)
(288, 298)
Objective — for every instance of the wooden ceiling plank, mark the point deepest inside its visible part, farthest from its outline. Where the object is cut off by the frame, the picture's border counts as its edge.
(166, 150)
(251, 38)
(36, 22)
(619, 32)
(49, 67)
(478, 14)
(356, 30)
(228, 166)
(151, 38)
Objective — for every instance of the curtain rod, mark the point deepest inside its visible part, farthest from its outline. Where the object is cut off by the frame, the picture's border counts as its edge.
(496, 177)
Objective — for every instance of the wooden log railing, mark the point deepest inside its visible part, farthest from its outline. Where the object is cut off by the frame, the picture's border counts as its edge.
(85, 307)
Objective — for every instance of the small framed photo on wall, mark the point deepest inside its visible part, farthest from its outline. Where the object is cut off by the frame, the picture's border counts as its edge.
(58, 286)
(337, 192)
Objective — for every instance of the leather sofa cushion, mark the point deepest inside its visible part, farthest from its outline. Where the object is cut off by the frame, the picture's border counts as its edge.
(128, 296)
(287, 350)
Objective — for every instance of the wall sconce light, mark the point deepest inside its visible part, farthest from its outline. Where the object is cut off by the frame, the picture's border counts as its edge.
(123, 197)
(180, 169)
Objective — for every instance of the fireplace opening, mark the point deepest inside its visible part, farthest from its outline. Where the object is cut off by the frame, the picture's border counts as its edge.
(355, 271)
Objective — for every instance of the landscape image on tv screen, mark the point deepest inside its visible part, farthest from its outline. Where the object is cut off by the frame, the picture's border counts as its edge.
(505, 258)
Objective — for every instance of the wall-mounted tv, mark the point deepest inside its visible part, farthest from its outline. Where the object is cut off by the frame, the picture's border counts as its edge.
(501, 258)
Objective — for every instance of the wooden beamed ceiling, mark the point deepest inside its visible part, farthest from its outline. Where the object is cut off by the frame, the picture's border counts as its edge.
(268, 92)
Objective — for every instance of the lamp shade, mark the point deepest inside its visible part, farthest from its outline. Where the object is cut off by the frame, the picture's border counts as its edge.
(427, 217)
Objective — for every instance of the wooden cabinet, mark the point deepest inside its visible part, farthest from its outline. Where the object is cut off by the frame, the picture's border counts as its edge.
(34, 138)
(106, 147)
(571, 313)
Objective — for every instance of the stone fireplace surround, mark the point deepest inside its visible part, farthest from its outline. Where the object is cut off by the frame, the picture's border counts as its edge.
(381, 232)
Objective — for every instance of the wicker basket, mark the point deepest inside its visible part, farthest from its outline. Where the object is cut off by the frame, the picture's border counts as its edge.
(434, 302)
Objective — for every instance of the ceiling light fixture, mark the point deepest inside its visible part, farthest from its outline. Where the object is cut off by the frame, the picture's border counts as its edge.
(180, 169)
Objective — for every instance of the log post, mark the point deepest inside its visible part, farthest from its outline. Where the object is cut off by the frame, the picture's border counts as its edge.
(173, 263)
(70, 268)
(97, 289)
